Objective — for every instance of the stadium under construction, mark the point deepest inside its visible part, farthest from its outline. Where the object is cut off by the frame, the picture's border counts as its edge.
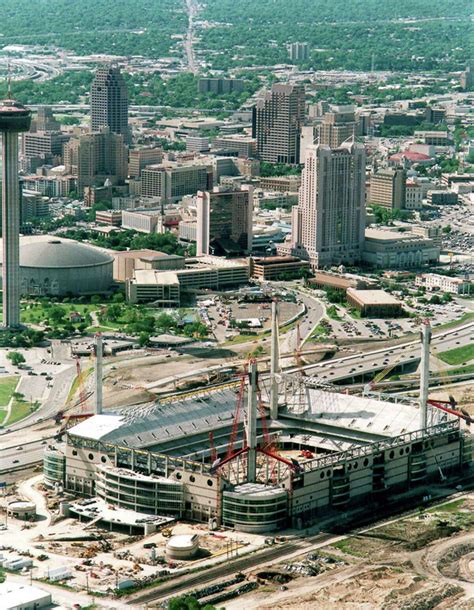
(260, 454)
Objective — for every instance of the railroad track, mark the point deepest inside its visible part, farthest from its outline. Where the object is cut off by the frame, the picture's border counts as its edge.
(184, 583)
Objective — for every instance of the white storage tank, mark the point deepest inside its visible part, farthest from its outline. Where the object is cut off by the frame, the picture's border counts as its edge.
(183, 546)
(21, 509)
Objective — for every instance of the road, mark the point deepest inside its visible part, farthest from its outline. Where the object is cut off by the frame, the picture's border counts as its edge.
(314, 312)
(193, 10)
(348, 367)
(362, 363)
(18, 457)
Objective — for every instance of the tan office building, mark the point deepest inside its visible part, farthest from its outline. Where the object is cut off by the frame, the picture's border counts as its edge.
(96, 157)
(328, 222)
(388, 188)
(140, 158)
(337, 126)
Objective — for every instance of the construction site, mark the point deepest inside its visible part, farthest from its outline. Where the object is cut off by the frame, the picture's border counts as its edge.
(258, 454)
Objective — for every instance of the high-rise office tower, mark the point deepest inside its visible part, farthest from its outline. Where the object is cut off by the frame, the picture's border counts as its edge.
(109, 102)
(329, 221)
(96, 157)
(337, 126)
(14, 119)
(224, 221)
(45, 120)
(276, 123)
(298, 51)
(388, 188)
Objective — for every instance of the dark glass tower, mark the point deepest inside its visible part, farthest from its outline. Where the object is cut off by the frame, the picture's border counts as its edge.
(109, 102)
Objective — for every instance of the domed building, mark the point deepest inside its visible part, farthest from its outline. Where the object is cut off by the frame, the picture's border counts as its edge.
(63, 267)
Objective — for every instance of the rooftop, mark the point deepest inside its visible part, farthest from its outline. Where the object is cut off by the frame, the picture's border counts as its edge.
(99, 509)
(373, 297)
(369, 416)
(16, 595)
(145, 253)
(151, 425)
(154, 276)
(387, 235)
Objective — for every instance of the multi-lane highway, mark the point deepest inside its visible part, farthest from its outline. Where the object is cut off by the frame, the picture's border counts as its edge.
(356, 365)
(20, 457)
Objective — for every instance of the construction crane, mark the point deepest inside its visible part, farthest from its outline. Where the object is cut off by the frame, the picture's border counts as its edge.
(369, 387)
(442, 406)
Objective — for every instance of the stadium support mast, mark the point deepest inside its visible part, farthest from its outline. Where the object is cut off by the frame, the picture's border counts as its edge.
(424, 373)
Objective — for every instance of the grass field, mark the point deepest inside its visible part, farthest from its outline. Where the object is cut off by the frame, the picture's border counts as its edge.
(458, 355)
(35, 313)
(20, 409)
(7, 387)
(466, 317)
(461, 370)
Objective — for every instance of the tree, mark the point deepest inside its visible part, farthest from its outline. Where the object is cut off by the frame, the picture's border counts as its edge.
(16, 358)
(144, 339)
(188, 602)
(56, 314)
(118, 297)
(114, 312)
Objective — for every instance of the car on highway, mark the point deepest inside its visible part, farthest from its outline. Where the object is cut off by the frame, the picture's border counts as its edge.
(16, 461)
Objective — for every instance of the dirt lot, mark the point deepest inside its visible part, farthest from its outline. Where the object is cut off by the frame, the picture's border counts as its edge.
(419, 562)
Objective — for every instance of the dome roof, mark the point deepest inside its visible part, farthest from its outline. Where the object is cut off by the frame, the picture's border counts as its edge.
(56, 253)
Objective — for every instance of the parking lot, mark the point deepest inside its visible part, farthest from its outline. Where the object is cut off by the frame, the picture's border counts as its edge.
(350, 327)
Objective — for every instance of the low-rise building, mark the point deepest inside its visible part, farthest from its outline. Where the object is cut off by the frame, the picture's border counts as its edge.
(109, 217)
(434, 281)
(433, 232)
(187, 230)
(284, 184)
(127, 262)
(276, 267)
(143, 221)
(341, 282)
(205, 272)
(20, 596)
(433, 138)
(196, 143)
(150, 286)
(374, 303)
(170, 182)
(395, 250)
(440, 197)
(245, 146)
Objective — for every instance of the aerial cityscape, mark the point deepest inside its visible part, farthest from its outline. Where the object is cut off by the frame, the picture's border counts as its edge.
(237, 305)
